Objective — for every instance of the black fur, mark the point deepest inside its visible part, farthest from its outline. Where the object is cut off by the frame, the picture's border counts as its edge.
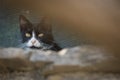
(43, 27)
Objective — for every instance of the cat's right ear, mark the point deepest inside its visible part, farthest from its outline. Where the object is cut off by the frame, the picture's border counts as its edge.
(23, 21)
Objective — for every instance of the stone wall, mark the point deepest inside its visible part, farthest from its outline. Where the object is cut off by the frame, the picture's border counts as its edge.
(78, 63)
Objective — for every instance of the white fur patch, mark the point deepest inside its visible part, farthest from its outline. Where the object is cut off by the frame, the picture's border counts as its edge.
(33, 41)
(63, 52)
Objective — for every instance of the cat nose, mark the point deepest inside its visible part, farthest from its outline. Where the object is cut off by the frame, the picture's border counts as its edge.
(33, 41)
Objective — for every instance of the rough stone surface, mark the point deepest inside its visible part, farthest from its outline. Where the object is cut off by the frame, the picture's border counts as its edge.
(78, 63)
(85, 76)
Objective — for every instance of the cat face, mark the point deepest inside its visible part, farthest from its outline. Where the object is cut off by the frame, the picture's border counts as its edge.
(36, 36)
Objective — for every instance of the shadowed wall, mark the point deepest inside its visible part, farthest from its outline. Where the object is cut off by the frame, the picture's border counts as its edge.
(9, 27)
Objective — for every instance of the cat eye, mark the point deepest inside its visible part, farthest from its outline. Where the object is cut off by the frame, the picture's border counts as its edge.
(27, 35)
(40, 35)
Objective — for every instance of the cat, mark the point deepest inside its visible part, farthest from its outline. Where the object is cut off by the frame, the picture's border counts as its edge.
(37, 36)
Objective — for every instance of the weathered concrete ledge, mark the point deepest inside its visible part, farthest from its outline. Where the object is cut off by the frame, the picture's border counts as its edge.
(86, 63)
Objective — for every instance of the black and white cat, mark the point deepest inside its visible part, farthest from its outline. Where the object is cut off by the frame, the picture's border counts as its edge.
(37, 36)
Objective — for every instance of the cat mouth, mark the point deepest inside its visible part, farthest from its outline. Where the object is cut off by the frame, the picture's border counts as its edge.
(33, 47)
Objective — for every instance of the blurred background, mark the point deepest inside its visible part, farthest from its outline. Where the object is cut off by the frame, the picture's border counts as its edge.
(9, 26)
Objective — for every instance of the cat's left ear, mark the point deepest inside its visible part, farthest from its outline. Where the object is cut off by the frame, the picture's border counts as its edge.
(24, 22)
(45, 24)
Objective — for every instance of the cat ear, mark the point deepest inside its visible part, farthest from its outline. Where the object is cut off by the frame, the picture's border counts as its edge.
(45, 24)
(23, 21)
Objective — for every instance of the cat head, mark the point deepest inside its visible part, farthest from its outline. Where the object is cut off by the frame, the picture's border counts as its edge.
(36, 36)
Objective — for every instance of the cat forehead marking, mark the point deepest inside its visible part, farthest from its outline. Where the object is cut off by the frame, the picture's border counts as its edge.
(33, 34)
(33, 38)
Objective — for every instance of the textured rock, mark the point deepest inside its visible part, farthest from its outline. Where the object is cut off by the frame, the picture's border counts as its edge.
(84, 76)
(85, 62)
